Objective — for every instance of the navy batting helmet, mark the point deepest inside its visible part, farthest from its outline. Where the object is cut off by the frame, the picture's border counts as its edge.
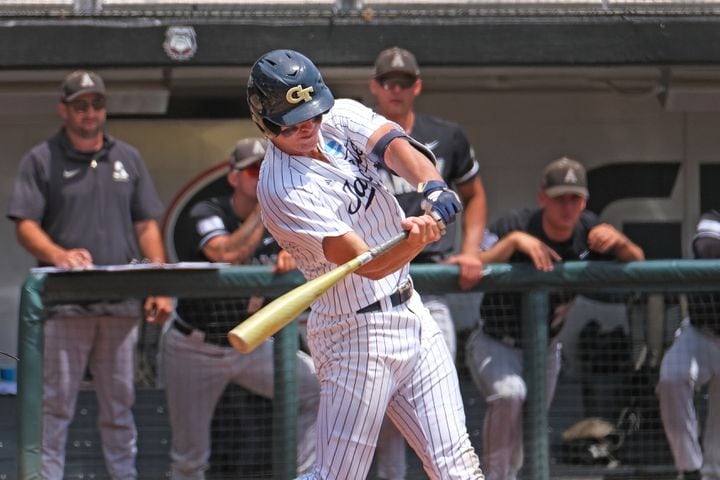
(285, 88)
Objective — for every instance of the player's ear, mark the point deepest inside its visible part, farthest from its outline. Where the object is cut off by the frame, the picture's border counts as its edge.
(62, 109)
(542, 198)
(373, 85)
(233, 177)
(417, 88)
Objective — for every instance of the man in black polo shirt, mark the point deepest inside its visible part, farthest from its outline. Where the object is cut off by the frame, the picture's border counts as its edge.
(560, 230)
(199, 361)
(396, 84)
(84, 198)
(693, 360)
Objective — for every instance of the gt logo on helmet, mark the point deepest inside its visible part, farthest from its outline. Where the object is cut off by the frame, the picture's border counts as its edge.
(297, 94)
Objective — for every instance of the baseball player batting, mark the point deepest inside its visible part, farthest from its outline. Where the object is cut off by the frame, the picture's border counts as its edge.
(375, 347)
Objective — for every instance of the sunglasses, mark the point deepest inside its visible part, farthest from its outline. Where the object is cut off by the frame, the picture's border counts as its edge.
(252, 170)
(290, 131)
(82, 106)
(402, 82)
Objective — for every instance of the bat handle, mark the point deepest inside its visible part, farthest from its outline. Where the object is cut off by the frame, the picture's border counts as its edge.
(383, 247)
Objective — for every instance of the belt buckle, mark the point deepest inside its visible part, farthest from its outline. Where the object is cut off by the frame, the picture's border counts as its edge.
(405, 289)
(198, 335)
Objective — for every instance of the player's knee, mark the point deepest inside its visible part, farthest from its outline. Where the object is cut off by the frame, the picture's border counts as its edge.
(671, 381)
(510, 391)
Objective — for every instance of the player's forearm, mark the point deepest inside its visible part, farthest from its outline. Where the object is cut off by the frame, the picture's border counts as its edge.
(37, 242)
(628, 251)
(344, 248)
(473, 223)
(238, 246)
(389, 262)
(150, 240)
(501, 251)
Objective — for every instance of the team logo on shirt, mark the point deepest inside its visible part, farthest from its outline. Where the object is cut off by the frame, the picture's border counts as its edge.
(119, 173)
(70, 173)
(299, 94)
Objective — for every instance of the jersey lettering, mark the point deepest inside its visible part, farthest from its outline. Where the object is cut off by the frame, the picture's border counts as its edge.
(359, 189)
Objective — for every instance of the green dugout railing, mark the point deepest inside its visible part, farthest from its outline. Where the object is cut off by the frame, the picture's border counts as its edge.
(41, 289)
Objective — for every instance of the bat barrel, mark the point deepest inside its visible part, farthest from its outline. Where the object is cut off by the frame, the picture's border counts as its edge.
(243, 341)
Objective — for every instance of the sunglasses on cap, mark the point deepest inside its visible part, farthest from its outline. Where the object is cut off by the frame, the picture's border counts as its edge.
(404, 82)
(83, 105)
(252, 170)
(291, 130)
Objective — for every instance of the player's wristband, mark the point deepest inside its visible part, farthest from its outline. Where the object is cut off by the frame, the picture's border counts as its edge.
(440, 202)
(428, 187)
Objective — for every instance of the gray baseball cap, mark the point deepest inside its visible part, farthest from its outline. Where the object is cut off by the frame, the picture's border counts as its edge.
(565, 175)
(246, 152)
(396, 61)
(81, 82)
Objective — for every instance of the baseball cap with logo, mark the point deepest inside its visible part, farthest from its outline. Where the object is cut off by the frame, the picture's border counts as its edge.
(396, 61)
(246, 152)
(81, 82)
(565, 175)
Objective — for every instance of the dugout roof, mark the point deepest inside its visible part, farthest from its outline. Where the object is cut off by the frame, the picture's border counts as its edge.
(130, 33)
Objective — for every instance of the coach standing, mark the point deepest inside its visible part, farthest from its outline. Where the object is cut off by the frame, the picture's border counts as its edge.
(84, 198)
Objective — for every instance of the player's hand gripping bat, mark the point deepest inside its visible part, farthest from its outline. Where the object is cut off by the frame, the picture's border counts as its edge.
(275, 315)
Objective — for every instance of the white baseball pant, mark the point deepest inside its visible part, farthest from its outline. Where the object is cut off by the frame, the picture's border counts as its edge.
(196, 374)
(497, 369)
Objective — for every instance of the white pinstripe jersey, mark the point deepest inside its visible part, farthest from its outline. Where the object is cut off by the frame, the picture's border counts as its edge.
(305, 200)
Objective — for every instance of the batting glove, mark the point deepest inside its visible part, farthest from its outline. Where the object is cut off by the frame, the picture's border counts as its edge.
(440, 202)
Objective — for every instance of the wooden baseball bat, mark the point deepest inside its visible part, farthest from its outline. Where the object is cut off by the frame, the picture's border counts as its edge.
(267, 321)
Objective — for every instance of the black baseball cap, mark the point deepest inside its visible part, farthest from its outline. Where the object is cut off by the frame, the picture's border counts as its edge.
(396, 61)
(246, 152)
(81, 82)
(565, 175)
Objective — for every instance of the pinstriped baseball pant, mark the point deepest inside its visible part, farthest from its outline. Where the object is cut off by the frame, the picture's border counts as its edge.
(390, 454)
(395, 361)
(692, 360)
(106, 345)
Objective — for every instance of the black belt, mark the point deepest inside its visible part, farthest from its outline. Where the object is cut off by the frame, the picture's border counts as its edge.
(401, 295)
(182, 328)
(187, 330)
(511, 341)
(508, 340)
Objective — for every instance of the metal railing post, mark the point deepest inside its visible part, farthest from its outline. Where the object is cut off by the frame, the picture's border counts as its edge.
(30, 378)
(285, 404)
(535, 308)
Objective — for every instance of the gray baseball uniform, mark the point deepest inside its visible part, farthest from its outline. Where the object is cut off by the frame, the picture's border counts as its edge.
(374, 349)
(692, 361)
(493, 353)
(199, 362)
